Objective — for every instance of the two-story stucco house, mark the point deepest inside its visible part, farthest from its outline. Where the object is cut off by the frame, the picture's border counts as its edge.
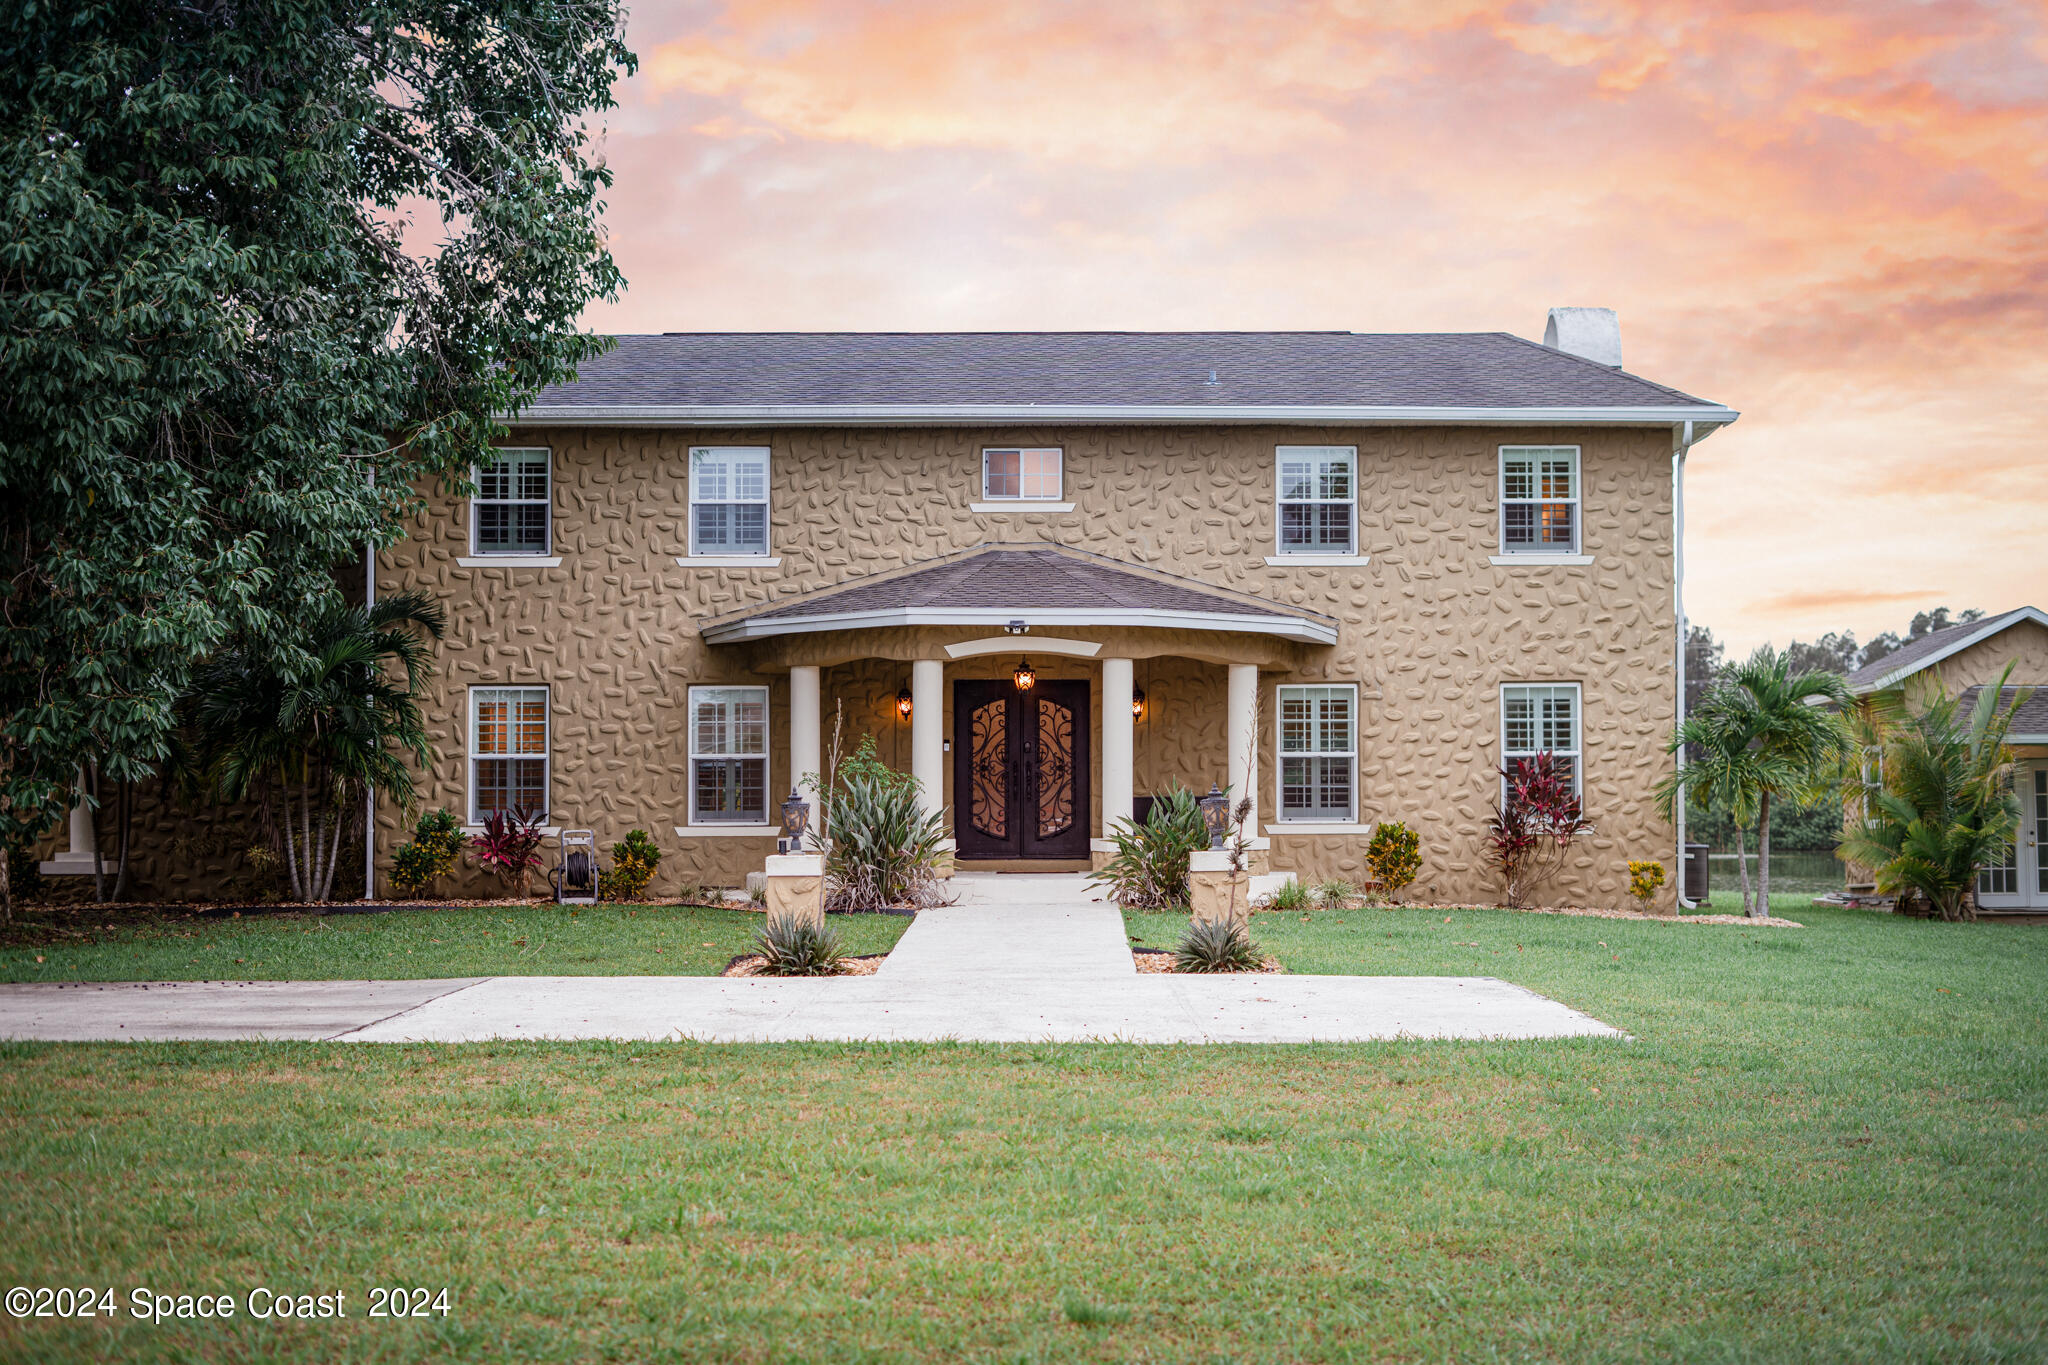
(1351, 574)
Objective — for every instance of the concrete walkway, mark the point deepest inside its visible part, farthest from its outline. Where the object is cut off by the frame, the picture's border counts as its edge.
(1017, 959)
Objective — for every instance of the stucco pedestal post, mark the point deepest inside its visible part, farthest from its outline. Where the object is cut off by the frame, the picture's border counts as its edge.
(806, 736)
(796, 887)
(1119, 741)
(76, 861)
(1211, 887)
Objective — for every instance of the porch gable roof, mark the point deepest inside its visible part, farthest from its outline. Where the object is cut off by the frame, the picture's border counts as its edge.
(1038, 584)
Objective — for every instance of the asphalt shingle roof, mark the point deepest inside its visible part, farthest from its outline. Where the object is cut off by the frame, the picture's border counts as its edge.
(1022, 579)
(1910, 656)
(1112, 369)
(2031, 716)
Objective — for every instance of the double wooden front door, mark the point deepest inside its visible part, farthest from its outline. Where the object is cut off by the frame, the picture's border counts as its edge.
(1020, 770)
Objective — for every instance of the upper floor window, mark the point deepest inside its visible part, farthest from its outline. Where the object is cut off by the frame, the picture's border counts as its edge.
(1319, 753)
(508, 752)
(1318, 500)
(729, 500)
(510, 513)
(1540, 718)
(1025, 475)
(729, 755)
(1539, 500)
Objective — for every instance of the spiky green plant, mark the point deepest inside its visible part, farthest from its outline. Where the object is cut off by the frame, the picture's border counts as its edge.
(1149, 870)
(1217, 945)
(1289, 895)
(883, 849)
(1336, 894)
(1946, 806)
(795, 946)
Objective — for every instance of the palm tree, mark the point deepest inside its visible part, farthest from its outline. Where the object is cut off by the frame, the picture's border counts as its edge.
(308, 736)
(1724, 767)
(1945, 807)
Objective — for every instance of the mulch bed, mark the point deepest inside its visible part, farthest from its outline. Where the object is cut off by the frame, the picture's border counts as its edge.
(750, 964)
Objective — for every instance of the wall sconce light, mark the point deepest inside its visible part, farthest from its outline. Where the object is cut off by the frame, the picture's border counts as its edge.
(903, 703)
(1024, 676)
(1137, 703)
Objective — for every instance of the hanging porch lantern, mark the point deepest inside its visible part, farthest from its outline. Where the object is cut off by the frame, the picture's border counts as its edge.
(1216, 815)
(1024, 677)
(1137, 703)
(903, 701)
(796, 818)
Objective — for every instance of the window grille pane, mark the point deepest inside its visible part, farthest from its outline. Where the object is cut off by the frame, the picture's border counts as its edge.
(1557, 479)
(512, 784)
(1297, 526)
(1004, 474)
(1041, 474)
(731, 721)
(494, 479)
(1518, 478)
(1336, 478)
(1518, 524)
(1333, 527)
(1297, 728)
(530, 469)
(1521, 723)
(493, 728)
(1557, 524)
(714, 527)
(1297, 479)
(731, 789)
(750, 528)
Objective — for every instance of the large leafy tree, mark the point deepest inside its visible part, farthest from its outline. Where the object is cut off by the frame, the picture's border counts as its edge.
(254, 251)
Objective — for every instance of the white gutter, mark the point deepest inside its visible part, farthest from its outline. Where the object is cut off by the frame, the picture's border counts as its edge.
(1681, 448)
(1066, 414)
(1286, 627)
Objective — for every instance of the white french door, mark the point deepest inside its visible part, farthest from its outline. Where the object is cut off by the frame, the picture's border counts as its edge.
(2020, 882)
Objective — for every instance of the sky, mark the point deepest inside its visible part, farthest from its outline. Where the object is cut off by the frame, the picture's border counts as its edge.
(1832, 217)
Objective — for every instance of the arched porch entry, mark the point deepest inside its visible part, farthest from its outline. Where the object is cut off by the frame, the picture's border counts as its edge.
(1139, 680)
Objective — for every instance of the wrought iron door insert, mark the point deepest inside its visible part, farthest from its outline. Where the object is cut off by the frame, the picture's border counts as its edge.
(1020, 769)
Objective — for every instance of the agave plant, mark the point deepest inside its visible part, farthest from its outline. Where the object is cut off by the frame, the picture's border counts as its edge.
(1149, 870)
(795, 946)
(882, 847)
(1217, 945)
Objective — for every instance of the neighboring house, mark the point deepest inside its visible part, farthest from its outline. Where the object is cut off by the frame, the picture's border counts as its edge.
(1351, 574)
(1966, 659)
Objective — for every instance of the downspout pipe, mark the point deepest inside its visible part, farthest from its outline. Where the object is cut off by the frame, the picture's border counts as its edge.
(1681, 447)
(370, 791)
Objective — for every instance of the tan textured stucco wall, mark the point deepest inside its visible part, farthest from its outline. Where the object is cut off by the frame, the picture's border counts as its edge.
(2022, 644)
(1430, 628)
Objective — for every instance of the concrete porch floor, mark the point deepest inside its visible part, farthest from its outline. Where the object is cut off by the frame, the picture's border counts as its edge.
(1018, 958)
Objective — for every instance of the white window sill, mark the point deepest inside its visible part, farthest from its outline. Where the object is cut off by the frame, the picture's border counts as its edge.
(1539, 561)
(1316, 561)
(729, 561)
(551, 831)
(1020, 505)
(1318, 827)
(510, 561)
(727, 831)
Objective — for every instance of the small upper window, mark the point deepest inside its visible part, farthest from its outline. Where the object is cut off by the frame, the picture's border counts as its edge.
(729, 500)
(509, 514)
(1318, 500)
(1029, 475)
(1539, 500)
(1541, 719)
(1872, 774)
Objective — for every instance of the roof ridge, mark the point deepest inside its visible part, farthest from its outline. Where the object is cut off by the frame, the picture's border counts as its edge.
(1604, 369)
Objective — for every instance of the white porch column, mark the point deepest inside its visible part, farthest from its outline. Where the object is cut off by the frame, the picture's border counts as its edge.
(1244, 754)
(928, 731)
(1118, 743)
(806, 753)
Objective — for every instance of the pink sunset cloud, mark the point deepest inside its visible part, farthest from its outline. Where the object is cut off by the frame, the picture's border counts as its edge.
(1829, 216)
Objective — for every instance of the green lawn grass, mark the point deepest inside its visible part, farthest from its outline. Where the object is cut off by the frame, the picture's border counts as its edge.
(1823, 1144)
(539, 940)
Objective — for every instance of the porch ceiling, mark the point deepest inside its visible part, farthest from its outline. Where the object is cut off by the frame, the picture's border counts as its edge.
(1039, 584)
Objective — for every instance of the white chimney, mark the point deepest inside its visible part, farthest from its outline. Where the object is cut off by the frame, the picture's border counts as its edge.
(1590, 333)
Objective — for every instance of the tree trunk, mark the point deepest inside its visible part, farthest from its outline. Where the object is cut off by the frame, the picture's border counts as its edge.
(1742, 865)
(291, 856)
(1763, 857)
(99, 864)
(7, 885)
(126, 819)
(337, 822)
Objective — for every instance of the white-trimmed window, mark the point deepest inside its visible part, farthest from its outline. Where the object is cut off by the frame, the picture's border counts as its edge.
(1539, 500)
(1318, 504)
(1871, 765)
(729, 500)
(1319, 753)
(1538, 718)
(511, 512)
(729, 755)
(508, 752)
(1029, 475)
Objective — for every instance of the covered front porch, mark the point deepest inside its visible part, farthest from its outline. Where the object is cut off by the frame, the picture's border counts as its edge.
(1039, 695)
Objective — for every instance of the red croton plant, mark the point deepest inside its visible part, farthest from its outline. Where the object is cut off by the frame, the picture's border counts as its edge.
(509, 849)
(1532, 831)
